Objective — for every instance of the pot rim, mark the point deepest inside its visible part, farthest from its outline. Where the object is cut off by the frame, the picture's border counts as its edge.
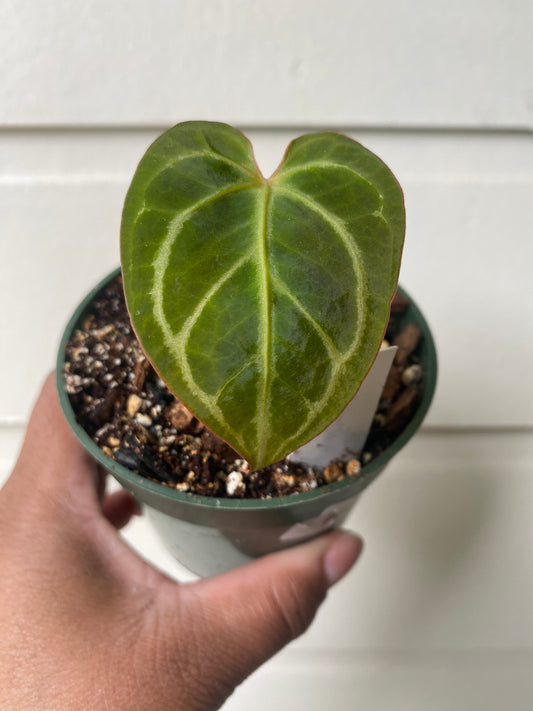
(337, 490)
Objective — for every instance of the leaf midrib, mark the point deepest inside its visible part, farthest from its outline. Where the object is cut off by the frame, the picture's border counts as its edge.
(263, 419)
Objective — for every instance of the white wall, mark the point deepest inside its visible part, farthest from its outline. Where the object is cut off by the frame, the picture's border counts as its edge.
(437, 615)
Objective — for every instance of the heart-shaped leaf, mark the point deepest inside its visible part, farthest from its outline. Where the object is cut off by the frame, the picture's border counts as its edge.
(261, 303)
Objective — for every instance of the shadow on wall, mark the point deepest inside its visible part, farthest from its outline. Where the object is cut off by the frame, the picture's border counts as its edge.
(426, 564)
(440, 528)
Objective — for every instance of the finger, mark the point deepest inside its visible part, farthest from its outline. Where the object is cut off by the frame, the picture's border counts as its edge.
(101, 480)
(52, 465)
(119, 507)
(252, 612)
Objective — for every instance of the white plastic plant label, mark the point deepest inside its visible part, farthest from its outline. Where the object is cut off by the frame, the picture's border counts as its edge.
(346, 436)
(327, 520)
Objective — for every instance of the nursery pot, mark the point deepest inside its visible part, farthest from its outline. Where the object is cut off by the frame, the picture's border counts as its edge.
(210, 535)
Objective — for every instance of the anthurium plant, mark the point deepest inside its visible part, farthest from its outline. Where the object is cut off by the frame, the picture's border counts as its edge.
(262, 303)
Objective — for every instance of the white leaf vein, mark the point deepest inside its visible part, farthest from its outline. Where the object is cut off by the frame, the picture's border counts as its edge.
(160, 264)
(284, 172)
(356, 260)
(331, 348)
(210, 154)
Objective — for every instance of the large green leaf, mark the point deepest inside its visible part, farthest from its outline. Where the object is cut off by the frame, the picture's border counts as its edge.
(261, 303)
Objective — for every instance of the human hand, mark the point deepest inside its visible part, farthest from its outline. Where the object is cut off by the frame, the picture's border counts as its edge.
(87, 624)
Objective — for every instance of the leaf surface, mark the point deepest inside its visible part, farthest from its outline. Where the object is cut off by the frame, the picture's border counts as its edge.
(261, 303)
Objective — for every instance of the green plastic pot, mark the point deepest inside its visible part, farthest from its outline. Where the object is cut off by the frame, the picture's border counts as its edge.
(211, 535)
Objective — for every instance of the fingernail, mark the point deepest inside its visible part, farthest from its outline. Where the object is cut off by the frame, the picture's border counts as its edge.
(341, 556)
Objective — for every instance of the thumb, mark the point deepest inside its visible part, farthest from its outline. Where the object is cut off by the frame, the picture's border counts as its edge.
(252, 612)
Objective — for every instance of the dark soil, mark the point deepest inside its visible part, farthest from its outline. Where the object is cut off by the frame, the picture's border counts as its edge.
(129, 412)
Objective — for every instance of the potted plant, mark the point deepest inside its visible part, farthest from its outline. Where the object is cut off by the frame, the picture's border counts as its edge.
(262, 305)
